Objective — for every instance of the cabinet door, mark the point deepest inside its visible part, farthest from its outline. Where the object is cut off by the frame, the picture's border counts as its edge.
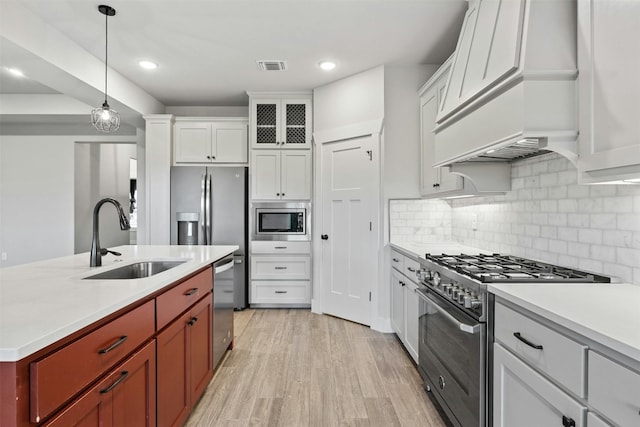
(125, 397)
(296, 123)
(397, 303)
(229, 143)
(200, 347)
(265, 175)
(173, 373)
(265, 123)
(609, 63)
(522, 397)
(296, 175)
(428, 110)
(412, 312)
(192, 142)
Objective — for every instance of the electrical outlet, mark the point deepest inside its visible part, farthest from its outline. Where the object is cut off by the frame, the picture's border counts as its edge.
(474, 221)
(4, 256)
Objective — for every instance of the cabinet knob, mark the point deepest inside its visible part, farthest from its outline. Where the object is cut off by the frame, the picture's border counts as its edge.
(213, 157)
(282, 194)
(324, 236)
(277, 194)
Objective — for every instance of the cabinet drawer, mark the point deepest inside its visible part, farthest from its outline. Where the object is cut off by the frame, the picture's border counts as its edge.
(280, 293)
(179, 298)
(560, 357)
(411, 267)
(397, 261)
(275, 247)
(57, 377)
(614, 390)
(281, 268)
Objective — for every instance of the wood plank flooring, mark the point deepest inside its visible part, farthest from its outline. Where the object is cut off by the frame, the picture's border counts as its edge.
(295, 368)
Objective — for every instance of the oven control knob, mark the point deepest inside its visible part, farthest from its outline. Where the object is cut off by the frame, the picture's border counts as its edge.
(446, 288)
(424, 275)
(470, 301)
(461, 296)
(436, 279)
(454, 292)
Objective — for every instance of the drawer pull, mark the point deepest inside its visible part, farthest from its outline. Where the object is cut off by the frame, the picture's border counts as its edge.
(281, 292)
(193, 320)
(191, 292)
(280, 268)
(413, 270)
(396, 260)
(527, 342)
(568, 422)
(280, 247)
(123, 376)
(113, 346)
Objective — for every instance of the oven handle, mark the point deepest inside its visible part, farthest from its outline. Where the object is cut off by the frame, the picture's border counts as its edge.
(470, 329)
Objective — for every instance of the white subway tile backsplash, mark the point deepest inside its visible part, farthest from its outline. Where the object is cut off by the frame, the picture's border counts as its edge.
(546, 216)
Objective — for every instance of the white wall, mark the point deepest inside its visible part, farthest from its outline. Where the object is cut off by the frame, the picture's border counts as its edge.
(37, 193)
(547, 216)
(101, 170)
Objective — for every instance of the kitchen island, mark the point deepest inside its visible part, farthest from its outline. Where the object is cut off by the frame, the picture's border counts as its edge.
(50, 313)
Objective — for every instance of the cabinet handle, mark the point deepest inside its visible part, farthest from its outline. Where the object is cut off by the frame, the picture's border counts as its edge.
(280, 247)
(281, 292)
(526, 341)
(396, 260)
(191, 292)
(413, 270)
(402, 283)
(568, 422)
(113, 346)
(283, 194)
(193, 320)
(123, 376)
(280, 268)
(213, 157)
(277, 194)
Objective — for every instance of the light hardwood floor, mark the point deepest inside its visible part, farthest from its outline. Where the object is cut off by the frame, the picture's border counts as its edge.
(295, 368)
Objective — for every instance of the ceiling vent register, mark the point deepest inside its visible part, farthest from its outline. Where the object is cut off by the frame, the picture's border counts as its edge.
(271, 65)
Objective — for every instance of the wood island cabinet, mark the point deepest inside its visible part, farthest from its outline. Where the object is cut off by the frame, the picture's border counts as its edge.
(185, 362)
(145, 365)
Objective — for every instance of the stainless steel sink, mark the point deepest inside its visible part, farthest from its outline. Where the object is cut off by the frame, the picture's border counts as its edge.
(138, 270)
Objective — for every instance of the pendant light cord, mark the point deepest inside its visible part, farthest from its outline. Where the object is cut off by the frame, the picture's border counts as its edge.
(106, 52)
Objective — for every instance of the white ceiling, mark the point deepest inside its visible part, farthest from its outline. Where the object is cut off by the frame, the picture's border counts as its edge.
(206, 49)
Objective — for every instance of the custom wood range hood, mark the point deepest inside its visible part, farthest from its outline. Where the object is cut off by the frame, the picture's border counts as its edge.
(511, 93)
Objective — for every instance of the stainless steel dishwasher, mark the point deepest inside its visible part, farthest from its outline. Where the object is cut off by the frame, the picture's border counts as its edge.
(222, 307)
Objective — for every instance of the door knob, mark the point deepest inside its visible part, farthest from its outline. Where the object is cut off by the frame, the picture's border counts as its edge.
(324, 237)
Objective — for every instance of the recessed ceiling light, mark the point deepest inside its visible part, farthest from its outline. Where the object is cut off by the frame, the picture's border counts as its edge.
(15, 72)
(148, 65)
(327, 65)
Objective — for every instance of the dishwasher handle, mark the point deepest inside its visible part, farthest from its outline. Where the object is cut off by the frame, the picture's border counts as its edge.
(224, 267)
(470, 329)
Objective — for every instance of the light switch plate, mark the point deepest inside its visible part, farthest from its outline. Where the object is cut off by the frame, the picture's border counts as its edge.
(474, 221)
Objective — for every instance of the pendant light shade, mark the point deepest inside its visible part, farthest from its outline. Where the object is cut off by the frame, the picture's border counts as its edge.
(105, 118)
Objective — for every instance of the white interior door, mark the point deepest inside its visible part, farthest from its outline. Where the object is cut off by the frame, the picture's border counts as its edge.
(349, 255)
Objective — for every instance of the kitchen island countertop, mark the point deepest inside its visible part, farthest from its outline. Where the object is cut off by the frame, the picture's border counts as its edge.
(43, 302)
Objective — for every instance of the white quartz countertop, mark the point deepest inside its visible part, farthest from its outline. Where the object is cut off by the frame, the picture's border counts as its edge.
(418, 250)
(605, 313)
(43, 302)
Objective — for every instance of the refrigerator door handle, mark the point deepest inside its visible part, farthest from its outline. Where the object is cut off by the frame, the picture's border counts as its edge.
(209, 214)
(203, 208)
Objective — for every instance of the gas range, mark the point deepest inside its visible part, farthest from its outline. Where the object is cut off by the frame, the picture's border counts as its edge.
(462, 278)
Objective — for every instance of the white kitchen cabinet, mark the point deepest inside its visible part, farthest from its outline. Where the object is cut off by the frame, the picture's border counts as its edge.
(434, 181)
(614, 390)
(594, 421)
(405, 304)
(280, 120)
(280, 274)
(609, 93)
(204, 141)
(522, 397)
(280, 175)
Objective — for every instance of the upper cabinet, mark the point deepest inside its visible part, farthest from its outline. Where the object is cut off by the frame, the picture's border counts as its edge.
(280, 120)
(204, 140)
(434, 181)
(511, 92)
(609, 92)
(280, 175)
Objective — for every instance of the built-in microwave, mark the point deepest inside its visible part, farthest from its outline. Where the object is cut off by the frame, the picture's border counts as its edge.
(281, 221)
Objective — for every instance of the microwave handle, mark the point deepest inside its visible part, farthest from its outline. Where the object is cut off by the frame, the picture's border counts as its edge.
(470, 329)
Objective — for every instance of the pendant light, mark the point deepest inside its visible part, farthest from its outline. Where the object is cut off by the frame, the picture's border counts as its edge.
(105, 118)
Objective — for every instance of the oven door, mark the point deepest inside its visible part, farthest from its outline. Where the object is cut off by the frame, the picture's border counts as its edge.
(451, 356)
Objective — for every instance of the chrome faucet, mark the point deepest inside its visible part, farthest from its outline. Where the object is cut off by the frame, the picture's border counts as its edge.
(96, 251)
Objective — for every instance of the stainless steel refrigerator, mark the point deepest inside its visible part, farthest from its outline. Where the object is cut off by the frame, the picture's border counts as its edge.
(218, 196)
